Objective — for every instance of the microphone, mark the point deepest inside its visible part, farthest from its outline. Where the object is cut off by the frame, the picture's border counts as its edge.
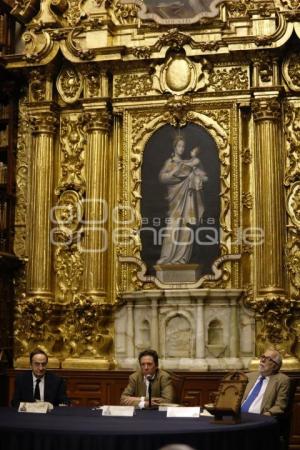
(150, 379)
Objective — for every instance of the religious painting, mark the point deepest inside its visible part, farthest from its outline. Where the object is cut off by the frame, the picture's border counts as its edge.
(180, 198)
(177, 11)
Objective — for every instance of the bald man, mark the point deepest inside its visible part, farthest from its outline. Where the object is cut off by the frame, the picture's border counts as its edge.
(267, 390)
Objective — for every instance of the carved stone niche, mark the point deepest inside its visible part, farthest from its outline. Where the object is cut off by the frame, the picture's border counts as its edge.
(197, 329)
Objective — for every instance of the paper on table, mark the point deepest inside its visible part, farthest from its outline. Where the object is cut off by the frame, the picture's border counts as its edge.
(35, 407)
(206, 413)
(182, 411)
(126, 411)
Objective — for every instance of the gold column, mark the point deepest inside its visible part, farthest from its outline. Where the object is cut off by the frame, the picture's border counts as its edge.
(40, 202)
(269, 196)
(96, 239)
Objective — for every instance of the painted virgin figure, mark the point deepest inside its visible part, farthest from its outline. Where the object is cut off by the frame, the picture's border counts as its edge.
(184, 179)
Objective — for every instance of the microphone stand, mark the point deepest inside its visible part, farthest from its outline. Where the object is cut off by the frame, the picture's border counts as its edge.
(150, 392)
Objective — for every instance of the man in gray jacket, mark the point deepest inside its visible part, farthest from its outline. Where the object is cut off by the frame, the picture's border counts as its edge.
(267, 390)
(137, 391)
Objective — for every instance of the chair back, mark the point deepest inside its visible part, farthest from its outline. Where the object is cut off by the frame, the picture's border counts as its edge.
(286, 420)
(177, 382)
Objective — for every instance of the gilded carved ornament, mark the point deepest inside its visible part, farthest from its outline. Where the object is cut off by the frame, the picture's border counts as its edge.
(228, 79)
(22, 168)
(69, 84)
(92, 81)
(179, 75)
(274, 314)
(80, 328)
(292, 131)
(247, 200)
(69, 10)
(37, 46)
(293, 264)
(293, 204)
(31, 327)
(123, 13)
(68, 266)
(73, 140)
(25, 10)
(175, 40)
(291, 4)
(266, 109)
(87, 328)
(67, 217)
(291, 71)
(132, 85)
(45, 123)
(37, 85)
(72, 44)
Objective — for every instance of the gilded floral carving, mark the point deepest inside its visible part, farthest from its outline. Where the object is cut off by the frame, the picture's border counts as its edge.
(72, 139)
(292, 131)
(266, 109)
(23, 144)
(291, 71)
(228, 79)
(68, 267)
(125, 13)
(247, 200)
(293, 264)
(31, 327)
(293, 204)
(132, 85)
(87, 328)
(274, 314)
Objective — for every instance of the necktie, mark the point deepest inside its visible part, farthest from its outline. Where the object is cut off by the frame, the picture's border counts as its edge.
(250, 399)
(37, 394)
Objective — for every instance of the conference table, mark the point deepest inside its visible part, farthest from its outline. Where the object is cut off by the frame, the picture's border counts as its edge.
(86, 429)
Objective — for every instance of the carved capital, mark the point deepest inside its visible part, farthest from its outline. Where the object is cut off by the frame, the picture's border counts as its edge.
(45, 123)
(266, 109)
(97, 120)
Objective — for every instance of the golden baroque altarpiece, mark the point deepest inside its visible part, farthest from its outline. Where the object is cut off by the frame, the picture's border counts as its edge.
(101, 80)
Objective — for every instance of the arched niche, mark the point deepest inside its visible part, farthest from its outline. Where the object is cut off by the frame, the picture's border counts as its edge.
(178, 337)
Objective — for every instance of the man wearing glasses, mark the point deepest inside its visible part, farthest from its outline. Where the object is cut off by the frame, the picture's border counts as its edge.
(38, 384)
(267, 390)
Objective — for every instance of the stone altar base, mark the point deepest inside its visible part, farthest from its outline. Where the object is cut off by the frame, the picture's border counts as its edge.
(176, 273)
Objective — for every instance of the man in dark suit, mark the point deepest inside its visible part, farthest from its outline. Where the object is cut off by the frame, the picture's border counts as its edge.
(38, 384)
(267, 391)
(137, 391)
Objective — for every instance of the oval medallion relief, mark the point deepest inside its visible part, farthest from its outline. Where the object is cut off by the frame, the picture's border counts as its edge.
(69, 84)
(178, 75)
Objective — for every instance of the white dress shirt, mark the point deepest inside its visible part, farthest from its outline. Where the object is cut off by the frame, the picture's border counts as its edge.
(255, 407)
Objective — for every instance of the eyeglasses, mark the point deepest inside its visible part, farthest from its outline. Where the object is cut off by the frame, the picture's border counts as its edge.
(268, 358)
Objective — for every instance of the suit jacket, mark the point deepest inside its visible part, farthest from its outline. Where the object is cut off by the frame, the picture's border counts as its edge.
(275, 398)
(161, 387)
(55, 390)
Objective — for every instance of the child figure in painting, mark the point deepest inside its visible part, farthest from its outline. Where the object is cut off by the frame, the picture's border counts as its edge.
(197, 175)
